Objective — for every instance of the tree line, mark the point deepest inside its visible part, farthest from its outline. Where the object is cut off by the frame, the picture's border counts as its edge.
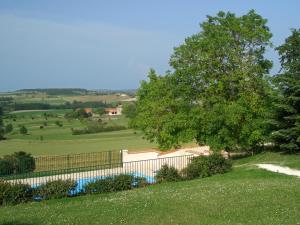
(220, 92)
(14, 106)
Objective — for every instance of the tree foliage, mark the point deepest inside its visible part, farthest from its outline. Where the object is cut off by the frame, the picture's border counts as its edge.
(217, 93)
(287, 104)
(129, 110)
(23, 130)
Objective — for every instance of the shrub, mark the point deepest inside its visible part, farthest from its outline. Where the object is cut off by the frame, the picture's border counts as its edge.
(9, 128)
(140, 182)
(58, 123)
(100, 186)
(6, 167)
(96, 128)
(56, 189)
(123, 182)
(167, 173)
(23, 162)
(206, 166)
(120, 182)
(23, 130)
(14, 193)
(19, 162)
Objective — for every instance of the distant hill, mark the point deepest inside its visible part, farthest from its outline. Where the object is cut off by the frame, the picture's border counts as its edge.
(75, 91)
(55, 91)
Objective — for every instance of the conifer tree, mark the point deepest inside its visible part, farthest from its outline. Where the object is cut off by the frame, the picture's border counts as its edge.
(287, 108)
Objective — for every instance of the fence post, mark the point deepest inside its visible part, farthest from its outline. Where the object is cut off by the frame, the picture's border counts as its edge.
(68, 161)
(121, 158)
(109, 159)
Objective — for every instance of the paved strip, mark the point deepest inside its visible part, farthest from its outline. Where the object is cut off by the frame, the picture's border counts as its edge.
(280, 169)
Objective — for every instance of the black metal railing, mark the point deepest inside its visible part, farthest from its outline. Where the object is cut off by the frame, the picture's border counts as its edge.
(57, 162)
(24, 163)
(84, 175)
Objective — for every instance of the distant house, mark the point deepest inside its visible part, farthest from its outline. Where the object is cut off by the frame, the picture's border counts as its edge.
(88, 111)
(114, 111)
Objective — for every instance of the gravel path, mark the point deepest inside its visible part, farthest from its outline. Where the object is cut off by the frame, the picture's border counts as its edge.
(279, 169)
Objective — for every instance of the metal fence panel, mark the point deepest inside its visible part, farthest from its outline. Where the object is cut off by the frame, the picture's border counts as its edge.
(83, 175)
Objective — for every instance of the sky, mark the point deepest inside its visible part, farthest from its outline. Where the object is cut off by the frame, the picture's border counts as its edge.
(97, 44)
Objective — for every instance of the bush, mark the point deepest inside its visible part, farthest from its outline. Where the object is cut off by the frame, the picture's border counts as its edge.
(206, 166)
(140, 182)
(56, 189)
(9, 128)
(167, 173)
(23, 162)
(123, 182)
(59, 123)
(19, 162)
(14, 193)
(110, 184)
(100, 186)
(6, 167)
(23, 130)
(91, 129)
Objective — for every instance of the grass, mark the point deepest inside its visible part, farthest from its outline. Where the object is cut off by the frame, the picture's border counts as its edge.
(116, 140)
(282, 159)
(244, 196)
(61, 99)
(59, 140)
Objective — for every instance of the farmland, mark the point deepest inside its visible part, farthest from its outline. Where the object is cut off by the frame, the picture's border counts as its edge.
(46, 137)
(59, 140)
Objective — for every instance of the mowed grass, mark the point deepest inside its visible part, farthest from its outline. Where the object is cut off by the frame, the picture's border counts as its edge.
(246, 195)
(278, 158)
(59, 140)
(116, 140)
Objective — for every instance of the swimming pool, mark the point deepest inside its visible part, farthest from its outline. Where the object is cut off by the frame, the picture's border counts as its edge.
(82, 182)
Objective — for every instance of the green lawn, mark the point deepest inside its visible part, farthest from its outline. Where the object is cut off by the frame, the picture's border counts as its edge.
(282, 159)
(59, 140)
(116, 140)
(246, 195)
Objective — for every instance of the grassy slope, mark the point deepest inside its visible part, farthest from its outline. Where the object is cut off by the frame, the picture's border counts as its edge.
(243, 196)
(59, 140)
(246, 195)
(116, 140)
(290, 160)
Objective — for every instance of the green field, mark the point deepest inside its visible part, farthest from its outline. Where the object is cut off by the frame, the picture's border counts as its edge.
(246, 195)
(59, 140)
(40, 97)
(91, 143)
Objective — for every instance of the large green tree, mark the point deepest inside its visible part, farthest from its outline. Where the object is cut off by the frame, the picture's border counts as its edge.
(287, 108)
(217, 92)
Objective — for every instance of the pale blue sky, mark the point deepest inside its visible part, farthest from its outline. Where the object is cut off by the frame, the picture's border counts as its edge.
(112, 44)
